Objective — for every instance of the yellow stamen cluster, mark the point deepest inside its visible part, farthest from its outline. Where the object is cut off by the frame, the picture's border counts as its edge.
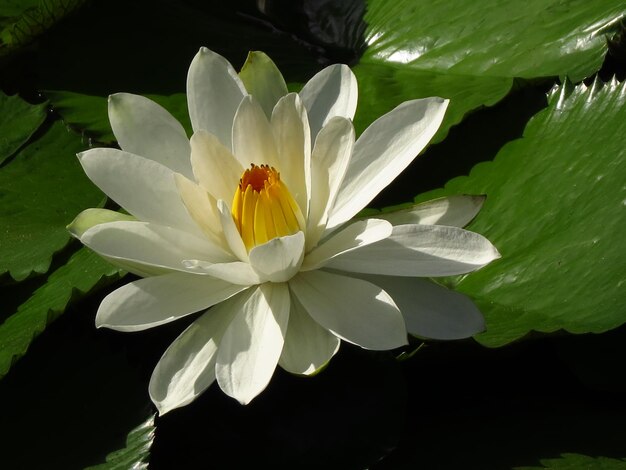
(263, 207)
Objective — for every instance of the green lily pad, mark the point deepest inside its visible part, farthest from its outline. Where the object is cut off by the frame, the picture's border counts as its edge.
(577, 462)
(18, 121)
(536, 38)
(80, 274)
(41, 191)
(554, 208)
(136, 453)
(470, 52)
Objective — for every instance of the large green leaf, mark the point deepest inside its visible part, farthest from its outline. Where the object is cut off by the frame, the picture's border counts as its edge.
(41, 191)
(18, 121)
(31, 19)
(470, 52)
(535, 38)
(555, 202)
(84, 271)
(578, 462)
(136, 453)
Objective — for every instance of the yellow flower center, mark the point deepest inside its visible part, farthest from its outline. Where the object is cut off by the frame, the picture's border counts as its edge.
(263, 207)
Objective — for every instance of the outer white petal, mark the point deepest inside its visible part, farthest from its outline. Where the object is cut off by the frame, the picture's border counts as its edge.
(331, 92)
(383, 151)
(308, 347)
(456, 211)
(421, 251)
(187, 368)
(154, 301)
(279, 259)
(358, 234)
(290, 126)
(355, 310)
(143, 187)
(214, 92)
(329, 162)
(236, 272)
(214, 166)
(253, 141)
(263, 80)
(150, 245)
(202, 207)
(233, 238)
(251, 346)
(431, 310)
(145, 128)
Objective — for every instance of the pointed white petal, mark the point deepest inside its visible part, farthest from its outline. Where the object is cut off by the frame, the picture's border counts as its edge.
(214, 92)
(355, 310)
(150, 245)
(187, 368)
(331, 92)
(308, 347)
(214, 166)
(202, 207)
(236, 272)
(251, 346)
(233, 238)
(290, 126)
(92, 217)
(430, 310)
(263, 80)
(455, 211)
(329, 162)
(145, 128)
(279, 259)
(421, 251)
(143, 187)
(253, 141)
(153, 301)
(383, 151)
(355, 235)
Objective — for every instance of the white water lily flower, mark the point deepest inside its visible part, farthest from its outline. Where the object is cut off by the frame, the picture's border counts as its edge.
(253, 219)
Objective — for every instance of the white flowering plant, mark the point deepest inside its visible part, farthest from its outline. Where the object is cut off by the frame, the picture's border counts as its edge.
(311, 257)
(253, 221)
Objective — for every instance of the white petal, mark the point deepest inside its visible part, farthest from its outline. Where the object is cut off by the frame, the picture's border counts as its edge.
(236, 272)
(187, 368)
(456, 211)
(251, 346)
(383, 151)
(329, 162)
(233, 238)
(430, 310)
(154, 301)
(263, 80)
(143, 187)
(358, 234)
(150, 245)
(279, 259)
(355, 310)
(253, 141)
(214, 92)
(145, 128)
(202, 207)
(290, 126)
(331, 92)
(308, 347)
(421, 251)
(214, 166)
